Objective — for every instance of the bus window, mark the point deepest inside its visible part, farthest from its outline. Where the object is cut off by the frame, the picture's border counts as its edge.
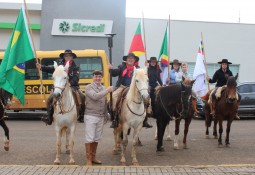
(88, 65)
(48, 62)
(31, 72)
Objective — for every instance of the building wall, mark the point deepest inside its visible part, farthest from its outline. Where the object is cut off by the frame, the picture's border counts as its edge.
(89, 10)
(221, 40)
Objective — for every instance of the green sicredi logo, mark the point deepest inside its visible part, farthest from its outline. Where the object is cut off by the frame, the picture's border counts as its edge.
(78, 27)
(64, 26)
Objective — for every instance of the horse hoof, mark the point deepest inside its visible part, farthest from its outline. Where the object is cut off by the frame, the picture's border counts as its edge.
(67, 151)
(6, 148)
(71, 162)
(168, 139)
(115, 152)
(56, 163)
(156, 138)
(161, 149)
(135, 163)
(207, 136)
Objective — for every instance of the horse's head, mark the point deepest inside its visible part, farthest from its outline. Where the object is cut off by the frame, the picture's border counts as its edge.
(231, 89)
(186, 94)
(60, 78)
(141, 81)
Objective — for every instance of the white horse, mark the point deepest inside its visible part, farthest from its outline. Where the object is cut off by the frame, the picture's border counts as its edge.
(65, 112)
(132, 114)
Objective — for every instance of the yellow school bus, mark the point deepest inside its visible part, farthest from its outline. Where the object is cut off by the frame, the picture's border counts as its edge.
(88, 61)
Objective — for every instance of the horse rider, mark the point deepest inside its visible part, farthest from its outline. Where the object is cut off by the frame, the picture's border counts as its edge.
(220, 79)
(154, 80)
(95, 115)
(125, 74)
(73, 75)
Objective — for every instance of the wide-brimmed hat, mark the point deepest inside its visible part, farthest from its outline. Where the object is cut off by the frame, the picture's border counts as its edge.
(175, 61)
(152, 59)
(130, 55)
(68, 52)
(224, 61)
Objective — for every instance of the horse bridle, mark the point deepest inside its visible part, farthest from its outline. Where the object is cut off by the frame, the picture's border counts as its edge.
(138, 102)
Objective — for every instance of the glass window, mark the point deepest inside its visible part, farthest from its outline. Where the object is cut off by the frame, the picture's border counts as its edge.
(48, 62)
(252, 87)
(31, 72)
(88, 65)
(244, 88)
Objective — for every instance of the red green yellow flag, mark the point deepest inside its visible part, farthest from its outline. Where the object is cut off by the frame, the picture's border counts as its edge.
(163, 54)
(137, 46)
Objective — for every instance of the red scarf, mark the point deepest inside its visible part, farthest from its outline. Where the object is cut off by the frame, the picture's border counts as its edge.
(128, 70)
(70, 62)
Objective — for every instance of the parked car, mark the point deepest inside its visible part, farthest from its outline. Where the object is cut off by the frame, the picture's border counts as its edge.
(247, 103)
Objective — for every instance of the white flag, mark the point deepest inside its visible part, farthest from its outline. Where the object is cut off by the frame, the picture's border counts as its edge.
(199, 86)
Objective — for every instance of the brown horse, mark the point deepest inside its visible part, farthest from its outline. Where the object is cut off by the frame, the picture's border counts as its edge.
(5, 98)
(174, 102)
(226, 108)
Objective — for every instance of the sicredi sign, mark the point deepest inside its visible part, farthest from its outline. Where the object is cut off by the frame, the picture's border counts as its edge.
(76, 27)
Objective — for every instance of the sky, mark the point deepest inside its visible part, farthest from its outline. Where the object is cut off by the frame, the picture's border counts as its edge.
(232, 11)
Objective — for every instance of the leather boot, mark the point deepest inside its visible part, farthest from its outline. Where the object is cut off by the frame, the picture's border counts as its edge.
(93, 152)
(48, 119)
(88, 147)
(146, 124)
(194, 104)
(114, 120)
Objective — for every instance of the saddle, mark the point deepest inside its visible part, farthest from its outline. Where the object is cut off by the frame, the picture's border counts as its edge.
(120, 99)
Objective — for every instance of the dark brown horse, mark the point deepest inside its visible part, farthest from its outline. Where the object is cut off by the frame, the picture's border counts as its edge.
(174, 102)
(5, 98)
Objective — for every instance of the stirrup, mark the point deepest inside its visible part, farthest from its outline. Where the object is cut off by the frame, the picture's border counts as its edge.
(114, 124)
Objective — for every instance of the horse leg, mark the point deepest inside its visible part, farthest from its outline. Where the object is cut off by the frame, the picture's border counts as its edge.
(215, 134)
(117, 141)
(67, 141)
(135, 139)
(168, 137)
(58, 146)
(207, 124)
(220, 132)
(156, 133)
(186, 130)
(124, 144)
(161, 125)
(6, 138)
(227, 133)
(71, 143)
(177, 131)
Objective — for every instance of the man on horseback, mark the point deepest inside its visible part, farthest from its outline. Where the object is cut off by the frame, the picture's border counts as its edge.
(73, 74)
(220, 79)
(125, 74)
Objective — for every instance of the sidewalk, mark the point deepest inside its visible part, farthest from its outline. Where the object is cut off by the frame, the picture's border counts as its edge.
(119, 170)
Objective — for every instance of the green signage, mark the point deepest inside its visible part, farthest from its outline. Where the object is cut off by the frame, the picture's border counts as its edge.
(78, 27)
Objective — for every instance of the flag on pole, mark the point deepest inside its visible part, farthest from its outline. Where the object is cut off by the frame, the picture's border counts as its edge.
(18, 51)
(199, 86)
(137, 46)
(164, 58)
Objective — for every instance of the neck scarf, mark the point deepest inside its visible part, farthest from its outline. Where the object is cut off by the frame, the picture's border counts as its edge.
(128, 70)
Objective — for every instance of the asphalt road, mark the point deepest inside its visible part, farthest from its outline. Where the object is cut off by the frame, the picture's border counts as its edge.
(33, 143)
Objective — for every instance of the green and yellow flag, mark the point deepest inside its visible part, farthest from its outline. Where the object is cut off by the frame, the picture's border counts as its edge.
(18, 51)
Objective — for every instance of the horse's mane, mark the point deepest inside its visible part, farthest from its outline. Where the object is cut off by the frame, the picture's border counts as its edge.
(140, 73)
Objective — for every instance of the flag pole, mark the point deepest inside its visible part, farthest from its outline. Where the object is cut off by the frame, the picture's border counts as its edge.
(206, 69)
(168, 47)
(32, 39)
(146, 62)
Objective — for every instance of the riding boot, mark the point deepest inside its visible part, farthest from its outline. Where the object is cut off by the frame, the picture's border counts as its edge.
(146, 124)
(194, 104)
(212, 106)
(88, 147)
(50, 111)
(114, 120)
(93, 153)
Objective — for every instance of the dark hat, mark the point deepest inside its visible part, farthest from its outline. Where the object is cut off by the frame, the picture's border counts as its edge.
(175, 61)
(152, 59)
(224, 61)
(67, 52)
(130, 55)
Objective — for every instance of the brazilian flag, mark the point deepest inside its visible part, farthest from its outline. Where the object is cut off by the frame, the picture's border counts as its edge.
(19, 50)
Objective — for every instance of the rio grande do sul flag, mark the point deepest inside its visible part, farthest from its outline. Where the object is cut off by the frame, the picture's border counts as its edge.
(199, 86)
(163, 54)
(137, 46)
(18, 51)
